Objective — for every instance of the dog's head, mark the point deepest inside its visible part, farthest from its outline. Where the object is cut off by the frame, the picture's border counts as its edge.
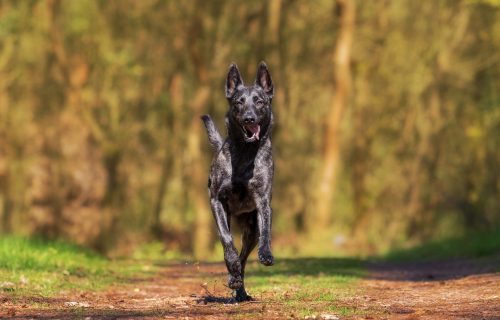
(249, 106)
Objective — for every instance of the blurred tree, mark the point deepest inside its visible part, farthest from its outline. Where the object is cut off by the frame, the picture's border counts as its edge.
(101, 142)
(345, 12)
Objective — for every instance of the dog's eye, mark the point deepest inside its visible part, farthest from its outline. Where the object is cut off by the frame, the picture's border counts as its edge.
(259, 103)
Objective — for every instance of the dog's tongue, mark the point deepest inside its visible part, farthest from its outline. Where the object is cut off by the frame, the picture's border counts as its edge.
(254, 129)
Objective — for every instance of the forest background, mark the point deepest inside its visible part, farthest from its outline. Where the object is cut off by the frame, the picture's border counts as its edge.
(387, 119)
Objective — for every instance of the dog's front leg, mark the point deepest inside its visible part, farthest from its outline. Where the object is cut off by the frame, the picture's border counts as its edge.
(264, 217)
(231, 257)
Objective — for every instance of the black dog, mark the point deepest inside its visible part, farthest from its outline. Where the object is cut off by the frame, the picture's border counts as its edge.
(240, 181)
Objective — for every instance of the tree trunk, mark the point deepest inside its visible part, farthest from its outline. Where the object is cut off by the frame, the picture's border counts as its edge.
(202, 58)
(175, 88)
(328, 171)
(360, 155)
(111, 202)
(198, 175)
(5, 206)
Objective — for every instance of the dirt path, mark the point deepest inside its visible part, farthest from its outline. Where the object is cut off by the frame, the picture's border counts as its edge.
(460, 289)
(441, 290)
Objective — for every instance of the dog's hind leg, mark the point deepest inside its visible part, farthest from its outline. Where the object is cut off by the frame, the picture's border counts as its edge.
(249, 239)
(231, 258)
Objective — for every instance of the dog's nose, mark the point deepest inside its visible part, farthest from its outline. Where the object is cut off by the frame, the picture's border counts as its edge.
(249, 119)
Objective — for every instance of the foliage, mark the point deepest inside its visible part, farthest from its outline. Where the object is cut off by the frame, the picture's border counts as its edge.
(101, 142)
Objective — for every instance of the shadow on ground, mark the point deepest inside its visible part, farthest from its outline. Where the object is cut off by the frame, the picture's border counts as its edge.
(450, 258)
(436, 270)
(131, 314)
(414, 270)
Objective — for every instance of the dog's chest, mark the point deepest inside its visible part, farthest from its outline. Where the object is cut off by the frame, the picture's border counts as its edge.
(239, 200)
(239, 197)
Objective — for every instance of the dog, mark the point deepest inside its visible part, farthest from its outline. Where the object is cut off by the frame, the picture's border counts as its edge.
(240, 180)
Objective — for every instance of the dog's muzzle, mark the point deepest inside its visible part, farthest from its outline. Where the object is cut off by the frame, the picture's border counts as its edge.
(251, 132)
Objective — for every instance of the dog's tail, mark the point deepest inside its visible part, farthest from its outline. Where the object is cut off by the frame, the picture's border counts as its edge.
(214, 136)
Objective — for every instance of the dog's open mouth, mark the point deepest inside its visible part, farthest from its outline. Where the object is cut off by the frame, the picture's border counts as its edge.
(251, 131)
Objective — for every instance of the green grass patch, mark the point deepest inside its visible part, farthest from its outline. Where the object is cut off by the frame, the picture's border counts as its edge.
(307, 286)
(38, 267)
(36, 254)
(472, 245)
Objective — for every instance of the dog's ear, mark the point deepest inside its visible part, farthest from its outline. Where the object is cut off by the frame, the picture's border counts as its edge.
(264, 80)
(233, 80)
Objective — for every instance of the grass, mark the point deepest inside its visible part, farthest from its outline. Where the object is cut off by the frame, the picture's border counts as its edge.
(35, 254)
(473, 245)
(38, 267)
(306, 286)
(303, 287)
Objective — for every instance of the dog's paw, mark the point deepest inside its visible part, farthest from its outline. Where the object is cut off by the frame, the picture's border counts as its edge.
(235, 282)
(266, 258)
(242, 297)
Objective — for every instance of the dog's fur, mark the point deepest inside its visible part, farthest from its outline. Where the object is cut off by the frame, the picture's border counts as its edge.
(240, 181)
